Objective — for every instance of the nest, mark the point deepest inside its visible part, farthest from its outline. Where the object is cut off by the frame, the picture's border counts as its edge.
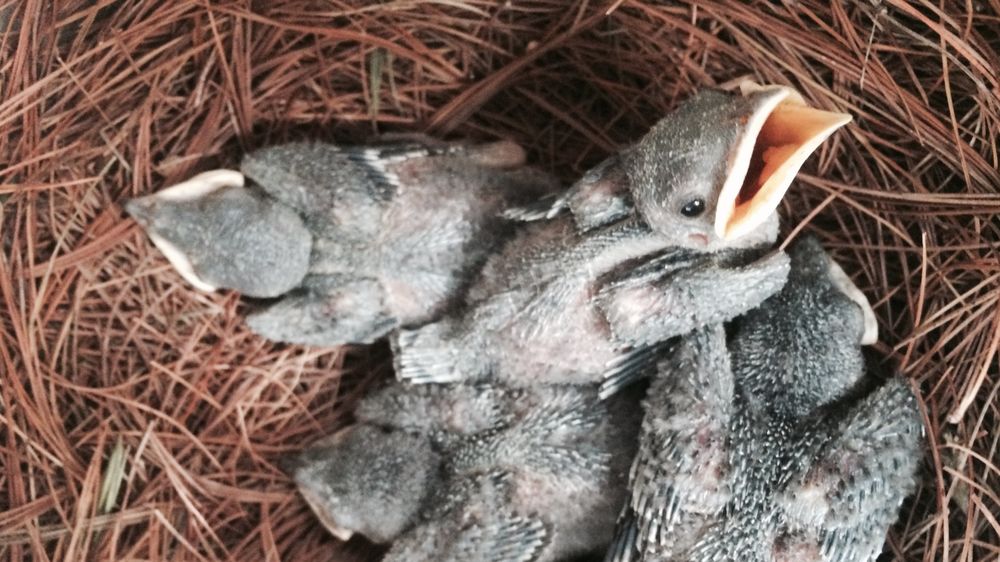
(141, 420)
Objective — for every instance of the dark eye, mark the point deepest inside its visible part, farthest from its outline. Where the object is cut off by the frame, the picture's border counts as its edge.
(693, 208)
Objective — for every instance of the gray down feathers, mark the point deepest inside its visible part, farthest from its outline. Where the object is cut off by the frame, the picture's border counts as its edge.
(522, 316)
(764, 447)
(537, 473)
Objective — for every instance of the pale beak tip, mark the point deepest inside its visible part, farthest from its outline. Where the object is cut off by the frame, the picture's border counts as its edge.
(342, 534)
(843, 119)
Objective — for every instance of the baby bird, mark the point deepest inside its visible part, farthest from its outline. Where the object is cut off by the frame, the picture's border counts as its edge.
(476, 472)
(764, 451)
(354, 241)
(666, 236)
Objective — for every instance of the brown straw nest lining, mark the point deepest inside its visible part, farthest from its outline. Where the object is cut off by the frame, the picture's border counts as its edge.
(140, 420)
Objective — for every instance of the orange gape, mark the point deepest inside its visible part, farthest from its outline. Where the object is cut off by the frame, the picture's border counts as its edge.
(769, 156)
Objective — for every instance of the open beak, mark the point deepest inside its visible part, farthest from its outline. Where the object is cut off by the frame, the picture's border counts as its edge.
(778, 137)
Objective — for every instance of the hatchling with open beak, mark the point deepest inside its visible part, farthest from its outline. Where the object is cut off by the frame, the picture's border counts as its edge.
(668, 235)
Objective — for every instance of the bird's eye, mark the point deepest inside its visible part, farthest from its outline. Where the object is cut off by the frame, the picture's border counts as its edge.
(693, 208)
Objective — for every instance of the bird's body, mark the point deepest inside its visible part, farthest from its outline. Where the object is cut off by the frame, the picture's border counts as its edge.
(761, 449)
(659, 239)
(392, 233)
(529, 317)
(537, 474)
(555, 306)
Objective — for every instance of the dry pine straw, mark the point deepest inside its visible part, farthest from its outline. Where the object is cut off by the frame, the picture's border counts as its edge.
(140, 420)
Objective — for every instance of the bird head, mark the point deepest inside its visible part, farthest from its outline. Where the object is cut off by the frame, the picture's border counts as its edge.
(367, 480)
(803, 345)
(219, 234)
(816, 276)
(711, 174)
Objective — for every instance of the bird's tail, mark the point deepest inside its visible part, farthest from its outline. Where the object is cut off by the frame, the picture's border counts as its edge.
(426, 354)
(622, 547)
(633, 365)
